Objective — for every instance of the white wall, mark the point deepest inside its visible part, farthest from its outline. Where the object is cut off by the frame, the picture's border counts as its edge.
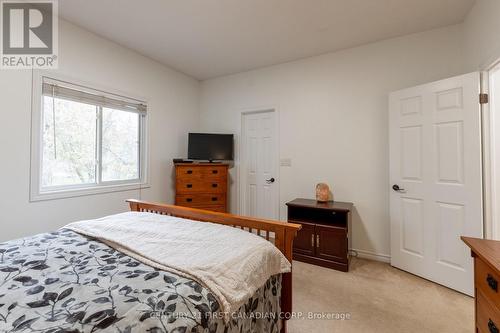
(173, 102)
(333, 119)
(481, 30)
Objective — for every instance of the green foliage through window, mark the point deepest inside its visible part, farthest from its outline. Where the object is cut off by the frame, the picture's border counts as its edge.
(86, 144)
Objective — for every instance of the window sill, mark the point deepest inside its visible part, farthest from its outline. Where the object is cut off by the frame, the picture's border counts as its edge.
(72, 193)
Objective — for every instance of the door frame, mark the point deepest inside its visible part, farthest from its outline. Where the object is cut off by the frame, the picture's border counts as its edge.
(240, 161)
(491, 180)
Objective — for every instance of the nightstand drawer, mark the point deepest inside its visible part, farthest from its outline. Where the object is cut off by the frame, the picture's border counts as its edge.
(487, 281)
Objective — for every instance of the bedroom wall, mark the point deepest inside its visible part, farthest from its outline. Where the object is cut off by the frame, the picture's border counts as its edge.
(334, 121)
(482, 49)
(173, 111)
(480, 30)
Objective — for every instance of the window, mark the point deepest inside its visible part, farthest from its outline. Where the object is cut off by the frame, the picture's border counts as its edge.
(88, 141)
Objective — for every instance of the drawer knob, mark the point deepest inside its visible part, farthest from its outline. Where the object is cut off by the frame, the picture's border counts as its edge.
(189, 172)
(189, 185)
(214, 198)
(214, 185)
(491, 325)
(215, 171)
(189, 199)
(492, 282)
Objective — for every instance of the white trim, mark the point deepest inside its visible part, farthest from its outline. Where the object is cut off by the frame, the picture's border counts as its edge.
(363, 254)
(36, 193)
(488, 154)
(238, 160)
(492, 179)
(73, 193)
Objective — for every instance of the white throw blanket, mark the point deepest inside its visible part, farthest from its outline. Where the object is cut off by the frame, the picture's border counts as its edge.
(230, 262)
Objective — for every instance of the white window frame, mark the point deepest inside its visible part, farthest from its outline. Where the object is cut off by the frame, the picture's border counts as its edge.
(37, 193)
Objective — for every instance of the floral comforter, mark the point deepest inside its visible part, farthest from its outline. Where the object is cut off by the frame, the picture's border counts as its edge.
(65, 282)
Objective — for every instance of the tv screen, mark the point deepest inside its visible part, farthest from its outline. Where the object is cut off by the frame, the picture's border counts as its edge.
(205, 146)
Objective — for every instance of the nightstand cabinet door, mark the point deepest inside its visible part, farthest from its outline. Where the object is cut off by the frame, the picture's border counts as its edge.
(331, 243)
(304, 242)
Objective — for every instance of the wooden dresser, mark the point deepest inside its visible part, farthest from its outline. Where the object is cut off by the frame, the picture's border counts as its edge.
(324, 237)
(486, 255)
(202, 185)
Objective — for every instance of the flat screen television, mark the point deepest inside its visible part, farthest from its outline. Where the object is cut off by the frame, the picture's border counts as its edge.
(211, 147)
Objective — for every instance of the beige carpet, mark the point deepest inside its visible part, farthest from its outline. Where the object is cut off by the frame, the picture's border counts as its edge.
(378, 298)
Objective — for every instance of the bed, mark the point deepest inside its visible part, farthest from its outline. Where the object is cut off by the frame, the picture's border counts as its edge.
(71, 280)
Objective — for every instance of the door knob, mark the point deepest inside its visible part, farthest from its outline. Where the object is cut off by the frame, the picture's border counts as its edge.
(270, 180)
(396, 188)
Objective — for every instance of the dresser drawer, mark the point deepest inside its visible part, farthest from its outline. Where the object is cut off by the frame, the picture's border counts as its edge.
(487, 316)
(487, 281)
(198, 200)
(186, 186)
(204, 172)
(214, 171)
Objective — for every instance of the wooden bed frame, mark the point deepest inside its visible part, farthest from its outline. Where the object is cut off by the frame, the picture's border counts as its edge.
(284, 233)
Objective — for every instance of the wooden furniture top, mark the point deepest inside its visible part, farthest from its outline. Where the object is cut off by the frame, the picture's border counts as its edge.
(329, 205)
(487, 250)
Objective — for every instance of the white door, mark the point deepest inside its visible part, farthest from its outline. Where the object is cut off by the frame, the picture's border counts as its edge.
(435, 160)
(259, 165)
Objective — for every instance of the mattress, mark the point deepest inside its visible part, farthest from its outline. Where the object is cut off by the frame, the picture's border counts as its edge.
(66, 282)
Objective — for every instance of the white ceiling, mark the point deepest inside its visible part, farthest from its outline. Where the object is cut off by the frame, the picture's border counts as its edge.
(209, 38)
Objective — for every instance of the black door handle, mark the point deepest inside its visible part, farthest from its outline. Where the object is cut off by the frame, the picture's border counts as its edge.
(270, 180)
(396, 188)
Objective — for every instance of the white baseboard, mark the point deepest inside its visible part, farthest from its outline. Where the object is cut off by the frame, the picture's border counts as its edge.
(373, 256)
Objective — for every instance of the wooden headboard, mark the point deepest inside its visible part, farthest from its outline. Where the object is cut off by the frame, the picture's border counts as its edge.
(283, 233)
